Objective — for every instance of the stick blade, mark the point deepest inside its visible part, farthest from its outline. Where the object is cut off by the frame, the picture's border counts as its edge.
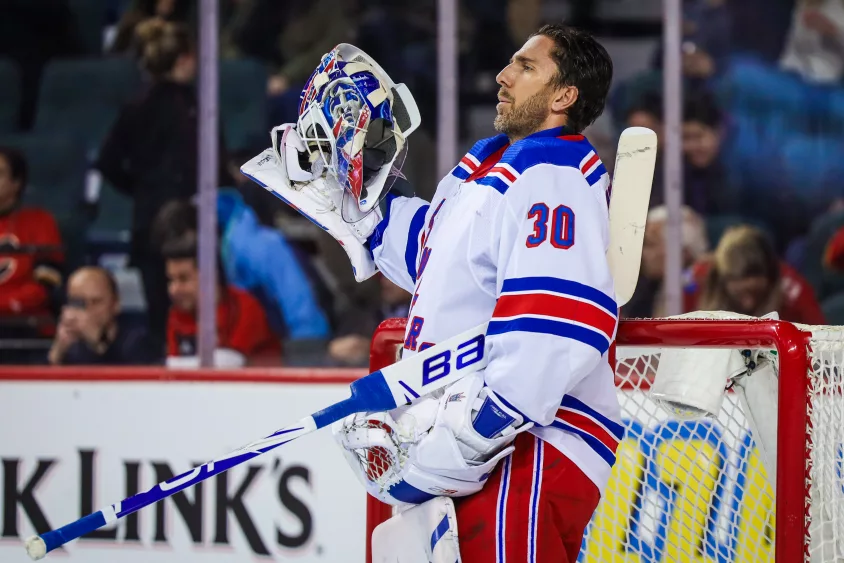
(631, 193)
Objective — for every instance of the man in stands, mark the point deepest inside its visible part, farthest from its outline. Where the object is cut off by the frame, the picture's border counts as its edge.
(243, 334)
(31, 257)
(90, 331)
(745, 276)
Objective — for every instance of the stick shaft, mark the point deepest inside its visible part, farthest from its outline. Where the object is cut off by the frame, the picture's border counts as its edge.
(87, 524)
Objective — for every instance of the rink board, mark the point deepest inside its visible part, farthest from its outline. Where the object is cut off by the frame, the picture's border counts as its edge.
(72, 446)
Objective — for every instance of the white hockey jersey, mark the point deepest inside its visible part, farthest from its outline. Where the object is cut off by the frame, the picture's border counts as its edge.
(517, 234)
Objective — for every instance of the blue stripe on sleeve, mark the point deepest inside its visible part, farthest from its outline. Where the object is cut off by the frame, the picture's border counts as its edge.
(411, 251)
(616, 429)
(594, 443)
(546, 326)
(494, 182)
(558, 285)
(460, 172)
(377, 236)
(593, 178)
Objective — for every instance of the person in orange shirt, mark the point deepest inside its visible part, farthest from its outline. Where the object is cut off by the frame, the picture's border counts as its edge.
(31, 257)
(744, 275)
(243, 334)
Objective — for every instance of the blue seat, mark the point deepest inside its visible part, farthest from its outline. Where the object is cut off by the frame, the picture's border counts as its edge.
(243, 110)
(82, 97)
(10, 95)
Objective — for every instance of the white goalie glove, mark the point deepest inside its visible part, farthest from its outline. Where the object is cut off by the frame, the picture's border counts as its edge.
(283, 170)
(445, 446)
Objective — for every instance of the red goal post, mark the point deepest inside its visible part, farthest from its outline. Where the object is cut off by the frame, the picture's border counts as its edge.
(743, 534)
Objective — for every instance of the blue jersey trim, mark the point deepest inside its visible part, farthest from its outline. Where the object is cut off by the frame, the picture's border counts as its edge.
(411, 251)
(547, 326)
(600, 448)
(557, 285)
(615, 429)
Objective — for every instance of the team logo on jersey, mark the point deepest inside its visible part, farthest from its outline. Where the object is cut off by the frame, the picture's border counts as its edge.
(8, 264)
(456, 398)
(441, 491)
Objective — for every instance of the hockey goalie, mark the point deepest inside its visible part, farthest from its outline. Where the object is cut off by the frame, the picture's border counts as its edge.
(508, 464)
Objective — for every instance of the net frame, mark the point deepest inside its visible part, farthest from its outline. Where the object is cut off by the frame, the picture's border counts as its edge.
(796, 356)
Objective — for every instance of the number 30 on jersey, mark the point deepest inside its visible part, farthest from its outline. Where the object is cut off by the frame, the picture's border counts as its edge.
(562, 226)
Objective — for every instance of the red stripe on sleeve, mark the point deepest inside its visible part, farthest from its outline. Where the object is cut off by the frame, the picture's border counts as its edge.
(465, 160)
(555, 306)
(591, 162)
(588, 425)
(506, 173)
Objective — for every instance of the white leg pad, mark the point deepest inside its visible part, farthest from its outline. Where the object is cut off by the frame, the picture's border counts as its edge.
(426, 533)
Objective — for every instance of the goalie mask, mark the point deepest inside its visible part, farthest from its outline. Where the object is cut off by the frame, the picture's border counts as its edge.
(354, 121)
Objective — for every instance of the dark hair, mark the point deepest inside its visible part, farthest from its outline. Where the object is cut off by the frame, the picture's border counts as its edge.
(650, 103)
(160, 43)
(17, 166)
(582, 62)
(175, 219)
(702, 108)
(186, 247)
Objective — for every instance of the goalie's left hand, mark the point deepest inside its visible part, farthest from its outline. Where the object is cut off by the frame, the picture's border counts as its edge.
(445, 446)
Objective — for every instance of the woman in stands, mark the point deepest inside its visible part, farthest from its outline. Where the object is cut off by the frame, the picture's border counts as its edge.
(745, 276)
(151, 152)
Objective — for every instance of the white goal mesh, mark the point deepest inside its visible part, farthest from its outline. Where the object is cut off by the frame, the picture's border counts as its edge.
(698, 491)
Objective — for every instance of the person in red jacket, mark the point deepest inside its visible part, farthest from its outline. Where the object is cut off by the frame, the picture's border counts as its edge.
(744, 275)
(243, 333)
(31, 256)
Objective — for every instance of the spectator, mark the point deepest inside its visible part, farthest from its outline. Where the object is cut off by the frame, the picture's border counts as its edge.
(32, 34)
(647, 112)
(31, 257)
(352, 346)
(707, 187)
(833, 258)
(90, 331)
(815, 47)
(150, 154)
(649, 299)
(177, 11)
(745, 276)
(243, 334)
(257, 259)
(292, 36)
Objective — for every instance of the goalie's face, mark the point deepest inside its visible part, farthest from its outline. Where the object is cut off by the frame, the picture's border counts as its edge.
(529, 100)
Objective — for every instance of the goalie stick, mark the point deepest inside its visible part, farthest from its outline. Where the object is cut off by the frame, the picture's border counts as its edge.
(422, 374)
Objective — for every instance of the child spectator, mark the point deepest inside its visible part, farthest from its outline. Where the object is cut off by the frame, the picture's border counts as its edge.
(31, 256)
(90, 330)
(745, 276)
(243, 333)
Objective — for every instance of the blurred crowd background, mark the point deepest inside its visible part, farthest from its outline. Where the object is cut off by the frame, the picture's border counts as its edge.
(98, 159)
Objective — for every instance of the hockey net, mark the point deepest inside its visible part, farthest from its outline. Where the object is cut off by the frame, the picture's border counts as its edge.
(698, 491)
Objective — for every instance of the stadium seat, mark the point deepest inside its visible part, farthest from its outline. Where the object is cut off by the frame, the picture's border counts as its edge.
(90, 16)
(717, 224)
(825, 282)
(82, 97)
(10, 95)
(833, 309)
(243, 92)
(56, 182)
(111, 230)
